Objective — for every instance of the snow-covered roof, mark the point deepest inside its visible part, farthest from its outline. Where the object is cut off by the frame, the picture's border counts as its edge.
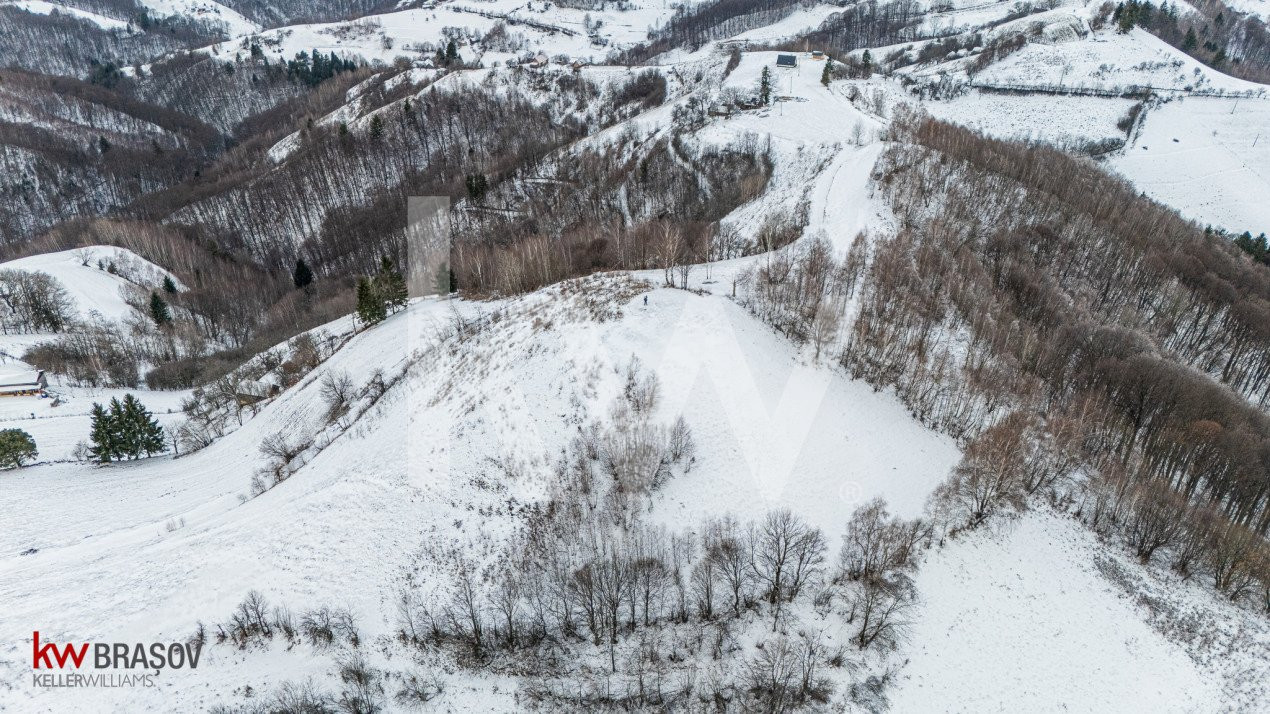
(252, 388)
(20, 378)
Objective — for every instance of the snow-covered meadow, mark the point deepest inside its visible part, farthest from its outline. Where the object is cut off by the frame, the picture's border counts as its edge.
(1030, 614)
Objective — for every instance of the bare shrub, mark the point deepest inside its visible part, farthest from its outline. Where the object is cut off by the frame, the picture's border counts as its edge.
(284, 622)
(301, 698)
(337, 394)
(681, 444)
(635, 455)
(1157, 515)
(881, 606)
(876, 543)
(249, 622)
(989, 477)
(420, 689)
(280, 453)
(325, 626)
(641, 390)
(783, 675)
(362, 693)
(771, 676)
(1234, 556)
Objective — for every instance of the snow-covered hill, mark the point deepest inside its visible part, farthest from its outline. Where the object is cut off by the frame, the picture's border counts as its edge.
(458, 449)
(101, 283)
(97, 278)
(434, 443)
(1208, 158)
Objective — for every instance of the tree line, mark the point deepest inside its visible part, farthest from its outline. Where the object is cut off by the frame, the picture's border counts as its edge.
(1057, 323)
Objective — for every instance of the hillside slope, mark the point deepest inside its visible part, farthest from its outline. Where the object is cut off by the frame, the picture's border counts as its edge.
(462, 444)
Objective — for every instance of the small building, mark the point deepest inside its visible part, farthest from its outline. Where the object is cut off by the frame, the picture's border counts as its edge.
(249, 392)
(539, 60)
(817, 55)
(27, 383)
(787, 61)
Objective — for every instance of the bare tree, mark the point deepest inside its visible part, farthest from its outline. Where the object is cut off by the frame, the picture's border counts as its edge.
(874, 543)
(337, 392)
(785, 551)
(990, 475)
(881, 605)
(1235, 555)
(669, 249)
(508, 599)
(467, 609)
(825, 325)
(1157, 515)
(772, 675)
(681, 445)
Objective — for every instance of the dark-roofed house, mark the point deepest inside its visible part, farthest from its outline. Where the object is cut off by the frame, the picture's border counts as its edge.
(26, 383)
(250, 391)
(786, 60)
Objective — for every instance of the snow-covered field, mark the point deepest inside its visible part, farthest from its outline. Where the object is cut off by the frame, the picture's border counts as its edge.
(42, 7)
(1108, 60)
(96, 278)
(1260, 8)
(1061, 120)
(1022, 616)
(206, 10)
(1207, 157)
(143, 551)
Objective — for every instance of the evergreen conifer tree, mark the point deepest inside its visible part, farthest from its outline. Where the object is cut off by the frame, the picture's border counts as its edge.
(390, 286)
(765, 87)
(159, 310)
(370, 306)
(125, 429)
(141, 432)
(827, 73)
(169, 285)
(302, 276)
(16, 448)
(102, 436)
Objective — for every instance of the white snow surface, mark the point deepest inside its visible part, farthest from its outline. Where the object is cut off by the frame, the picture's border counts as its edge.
(42, 7)
(93, 288)
(142, 551)
(1108, 60)
(336, 531)
(1016, 618)
(1060, 120)
(1260, 8)
(1207, 157)
(206, 10)
(1022, 620)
